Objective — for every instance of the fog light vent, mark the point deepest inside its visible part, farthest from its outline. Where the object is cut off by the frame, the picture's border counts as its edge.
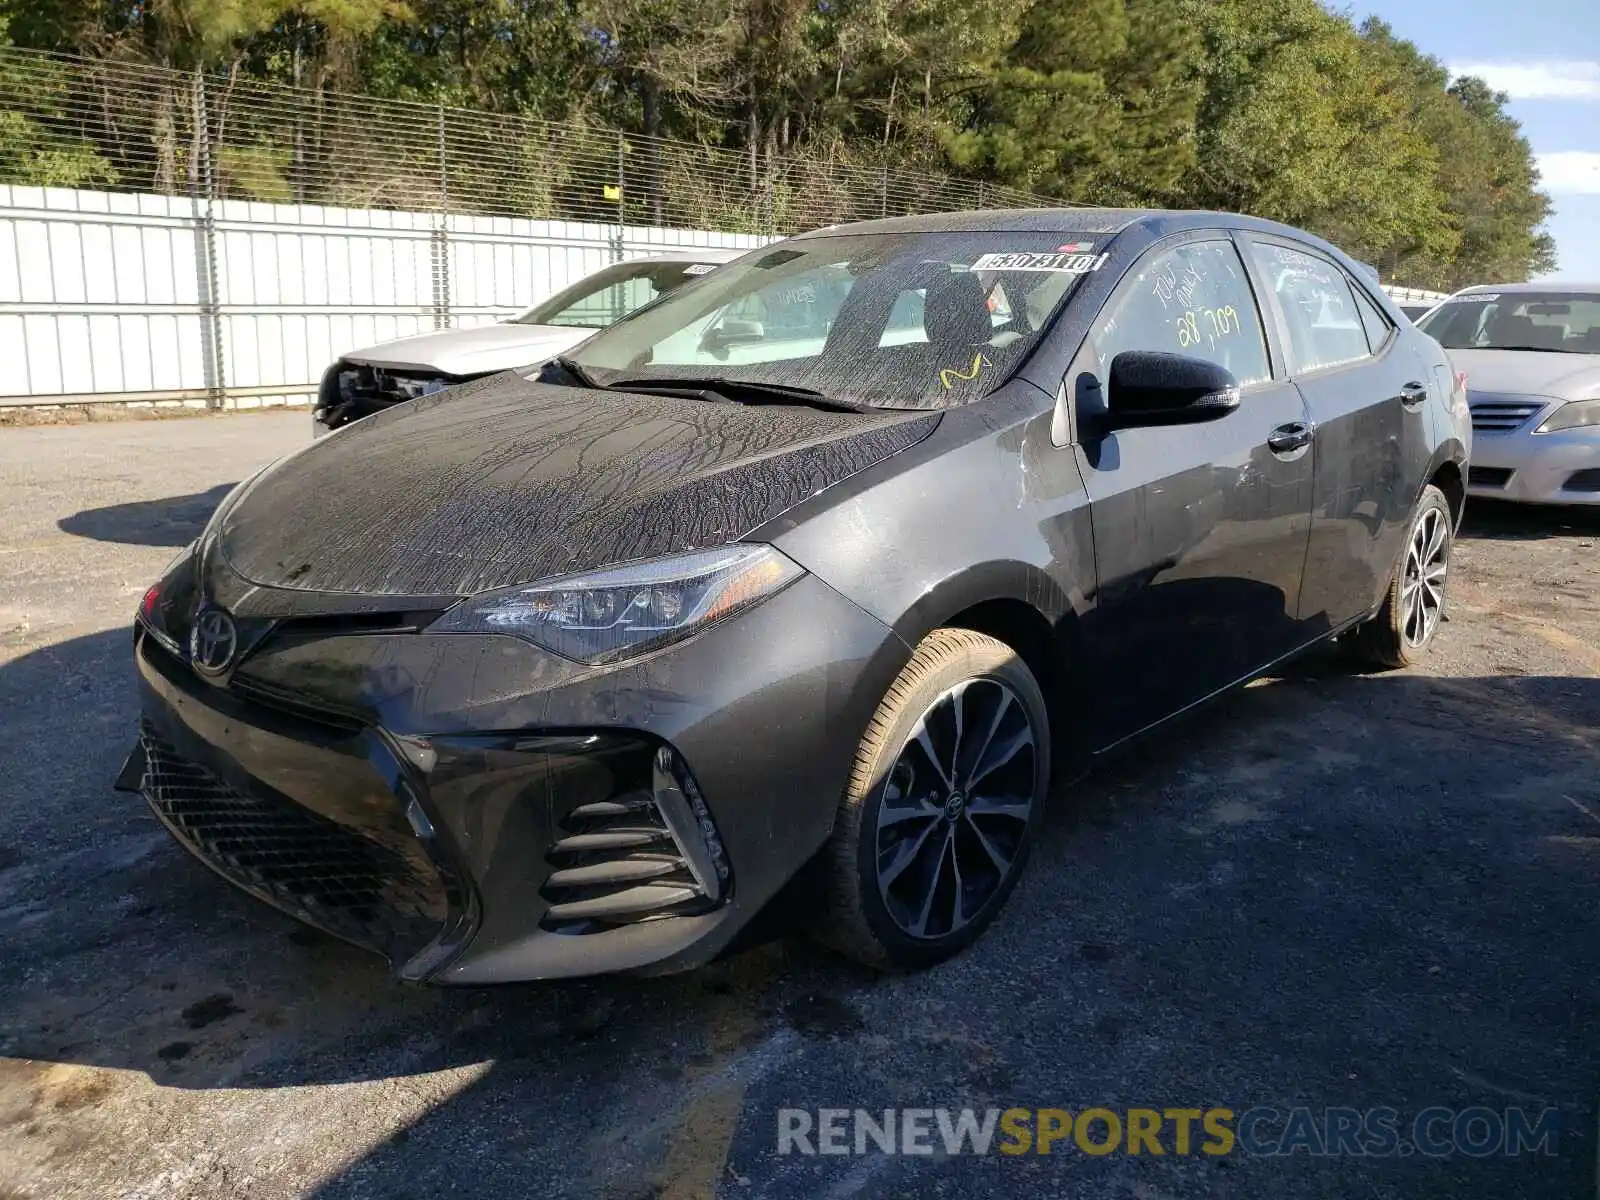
(636, 855)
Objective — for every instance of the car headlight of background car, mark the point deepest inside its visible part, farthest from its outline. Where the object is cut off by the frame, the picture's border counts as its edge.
(619, 612)
(1575, 414)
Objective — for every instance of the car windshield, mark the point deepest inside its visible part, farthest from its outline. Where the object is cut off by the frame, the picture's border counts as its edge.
(1555, 321)
(607, 296)
(906, 320)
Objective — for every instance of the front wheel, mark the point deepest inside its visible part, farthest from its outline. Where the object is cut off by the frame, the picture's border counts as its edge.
(939, 815)
(1405, 626)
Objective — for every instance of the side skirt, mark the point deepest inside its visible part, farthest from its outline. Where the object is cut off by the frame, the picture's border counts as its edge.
(1266, 669)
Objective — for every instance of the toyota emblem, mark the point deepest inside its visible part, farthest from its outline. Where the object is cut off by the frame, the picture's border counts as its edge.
(213, 642)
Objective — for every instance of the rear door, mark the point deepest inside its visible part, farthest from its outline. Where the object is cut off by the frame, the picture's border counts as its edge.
(1199, 530)
(1367, 398)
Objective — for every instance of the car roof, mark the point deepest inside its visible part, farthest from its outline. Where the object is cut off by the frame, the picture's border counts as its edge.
(1548, 285)
(1155, 222)
(1007, 220)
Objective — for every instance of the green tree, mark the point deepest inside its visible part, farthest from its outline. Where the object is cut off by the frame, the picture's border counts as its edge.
(1486, 172)
(1094, 101)
(1299, 125)
(1280, 108)
(37, 145)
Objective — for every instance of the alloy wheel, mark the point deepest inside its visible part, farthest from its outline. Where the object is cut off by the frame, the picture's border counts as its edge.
(955, 809)
(1422, 585)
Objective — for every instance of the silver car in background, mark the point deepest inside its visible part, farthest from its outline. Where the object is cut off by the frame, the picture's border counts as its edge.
(1531, 354)
(373, 378)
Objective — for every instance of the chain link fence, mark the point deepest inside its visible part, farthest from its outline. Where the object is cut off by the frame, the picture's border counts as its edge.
(120, 126)
(206, 239)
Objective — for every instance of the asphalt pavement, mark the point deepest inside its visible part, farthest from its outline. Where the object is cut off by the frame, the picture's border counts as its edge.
(1329, 891)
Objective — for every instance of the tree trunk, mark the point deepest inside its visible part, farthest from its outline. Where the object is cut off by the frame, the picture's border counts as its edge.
(297, 160)
(650, 102)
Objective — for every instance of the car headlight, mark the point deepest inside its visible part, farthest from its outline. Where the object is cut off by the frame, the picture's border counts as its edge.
(617, 613)
(1575, 414)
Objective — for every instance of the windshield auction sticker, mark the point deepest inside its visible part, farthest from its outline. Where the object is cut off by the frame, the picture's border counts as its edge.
(1073, 264)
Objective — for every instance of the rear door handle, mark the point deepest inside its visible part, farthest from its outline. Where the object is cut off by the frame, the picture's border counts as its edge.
(1293, 436)
(1413, 395)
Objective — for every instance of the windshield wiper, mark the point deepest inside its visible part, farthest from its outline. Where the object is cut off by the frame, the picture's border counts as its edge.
(1540, 349)
(573, 368)
(740, 391)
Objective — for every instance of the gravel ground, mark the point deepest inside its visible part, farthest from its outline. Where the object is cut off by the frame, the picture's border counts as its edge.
(1329, 890)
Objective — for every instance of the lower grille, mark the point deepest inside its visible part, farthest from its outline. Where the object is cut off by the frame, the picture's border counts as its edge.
(1488, 477)
(387, 896)
(1587, 480)
(615, 864)
(635, 856)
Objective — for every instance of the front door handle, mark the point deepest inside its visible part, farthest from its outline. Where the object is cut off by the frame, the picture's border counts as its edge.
(1413, 395)
(1294, 436)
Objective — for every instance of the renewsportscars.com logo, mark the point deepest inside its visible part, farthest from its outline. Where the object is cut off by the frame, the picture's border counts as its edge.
(1263, 1131)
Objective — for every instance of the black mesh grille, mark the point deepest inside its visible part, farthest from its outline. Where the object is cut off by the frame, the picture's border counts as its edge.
(1488, 476)
(1586, 480)
(386, 895)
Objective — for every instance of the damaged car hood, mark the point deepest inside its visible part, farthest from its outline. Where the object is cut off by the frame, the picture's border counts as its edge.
(462, 352)
(507, 481)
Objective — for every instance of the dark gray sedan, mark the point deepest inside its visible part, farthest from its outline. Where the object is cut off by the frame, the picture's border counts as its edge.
(817, 572)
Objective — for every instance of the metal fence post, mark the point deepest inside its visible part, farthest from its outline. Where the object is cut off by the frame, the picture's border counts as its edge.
(439, 239)
(622, 197)
(202, 185)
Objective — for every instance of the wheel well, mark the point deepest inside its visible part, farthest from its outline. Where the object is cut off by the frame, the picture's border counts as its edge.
(1448, 480)
(1029, 632)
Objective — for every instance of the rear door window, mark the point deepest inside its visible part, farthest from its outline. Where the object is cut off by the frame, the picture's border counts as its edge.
(1318, 305)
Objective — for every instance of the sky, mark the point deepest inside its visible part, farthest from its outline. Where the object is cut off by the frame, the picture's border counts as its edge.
(1545, 54)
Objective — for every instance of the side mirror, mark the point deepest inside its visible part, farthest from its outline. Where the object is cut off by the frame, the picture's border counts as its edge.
(732, 332)
(1151, 388)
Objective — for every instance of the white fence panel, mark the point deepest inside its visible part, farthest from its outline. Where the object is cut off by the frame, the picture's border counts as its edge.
(110, 296)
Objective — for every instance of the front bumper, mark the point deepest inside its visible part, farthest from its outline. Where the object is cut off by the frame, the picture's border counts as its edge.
(1537, 468)
(470, 806)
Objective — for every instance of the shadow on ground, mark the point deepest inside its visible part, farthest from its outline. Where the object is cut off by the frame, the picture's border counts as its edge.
(173, 521)
(1503, 521)
(1326, 890)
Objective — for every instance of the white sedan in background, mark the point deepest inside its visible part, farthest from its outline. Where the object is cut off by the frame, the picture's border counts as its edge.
(1531, 354)
(369, 380)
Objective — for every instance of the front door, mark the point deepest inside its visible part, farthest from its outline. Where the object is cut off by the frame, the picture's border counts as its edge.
(1199, 530)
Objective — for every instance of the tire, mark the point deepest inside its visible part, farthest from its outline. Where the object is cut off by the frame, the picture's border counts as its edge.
(878, 879)
(1403, 630)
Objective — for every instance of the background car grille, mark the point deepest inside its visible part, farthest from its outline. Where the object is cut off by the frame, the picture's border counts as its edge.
(616, 863)
(1501, 415)
(385, 896)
